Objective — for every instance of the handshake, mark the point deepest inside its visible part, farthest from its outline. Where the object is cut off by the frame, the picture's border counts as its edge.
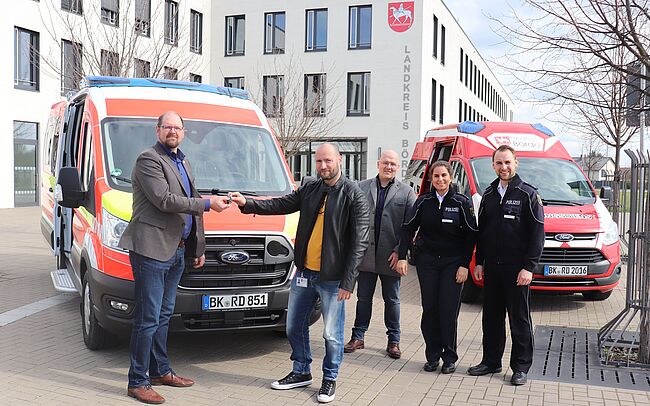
(221, 203)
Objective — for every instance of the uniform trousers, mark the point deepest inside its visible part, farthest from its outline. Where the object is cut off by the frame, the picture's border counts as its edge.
(440, 305)
(502, 294)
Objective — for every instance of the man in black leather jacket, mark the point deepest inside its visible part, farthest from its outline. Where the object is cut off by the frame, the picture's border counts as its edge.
(331, 241)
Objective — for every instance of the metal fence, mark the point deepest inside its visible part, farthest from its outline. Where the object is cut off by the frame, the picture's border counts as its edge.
(623, 340)
(615, 194)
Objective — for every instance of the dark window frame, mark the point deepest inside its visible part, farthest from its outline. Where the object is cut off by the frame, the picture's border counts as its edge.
(321, 92)
(272, 47)
(239, 81)
(357, 44)
(109, 63)
(108, 15)
(75, 76)
(195, 77)
(435, 36)
(196, 32)
(73, 6)
(365, 101)
(443, 47)
(33, 56)
(143, 18)
(278, 94)
(434, 99)
(441, 112)
(231, 39)
(314, 29)
(171, 22)
(146, 68)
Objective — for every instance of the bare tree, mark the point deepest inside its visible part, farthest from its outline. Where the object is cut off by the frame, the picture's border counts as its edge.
(120, 42)
(578, 54)
(301, 107)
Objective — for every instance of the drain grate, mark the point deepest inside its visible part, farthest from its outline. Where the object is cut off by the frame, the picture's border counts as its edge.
(570, 355)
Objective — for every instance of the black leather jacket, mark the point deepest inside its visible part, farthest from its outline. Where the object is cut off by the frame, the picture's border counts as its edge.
(345, 228)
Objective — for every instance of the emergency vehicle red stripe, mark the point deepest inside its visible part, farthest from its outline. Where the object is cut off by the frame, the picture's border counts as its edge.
(187, 110)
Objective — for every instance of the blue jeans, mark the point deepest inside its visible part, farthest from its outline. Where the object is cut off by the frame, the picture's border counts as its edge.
(367, 281)
(155, 295)
(301, 303)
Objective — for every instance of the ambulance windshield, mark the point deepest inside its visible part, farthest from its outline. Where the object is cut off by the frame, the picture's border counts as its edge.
(222, 156)
(558, 181)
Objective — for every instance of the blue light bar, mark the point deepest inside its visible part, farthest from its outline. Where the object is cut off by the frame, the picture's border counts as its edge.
(543, 129)
(113, 81)
(470, 127)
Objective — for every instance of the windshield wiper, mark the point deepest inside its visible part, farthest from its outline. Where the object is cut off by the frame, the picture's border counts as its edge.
(558, 202)
(224, 192)
(122, 178)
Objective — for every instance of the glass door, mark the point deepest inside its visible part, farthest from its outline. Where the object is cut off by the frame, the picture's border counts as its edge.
(25, 163)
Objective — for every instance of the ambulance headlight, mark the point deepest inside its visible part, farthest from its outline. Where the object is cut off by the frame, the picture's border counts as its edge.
(112, 229)
(611, 234)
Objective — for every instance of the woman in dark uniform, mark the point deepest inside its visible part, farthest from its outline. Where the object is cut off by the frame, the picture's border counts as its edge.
(446, 237)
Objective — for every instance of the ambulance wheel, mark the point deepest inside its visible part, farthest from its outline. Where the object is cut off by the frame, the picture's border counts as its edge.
(471, 292)
(95, 337)
(596, 295)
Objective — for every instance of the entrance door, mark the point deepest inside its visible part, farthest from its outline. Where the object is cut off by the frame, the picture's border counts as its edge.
(25, 164)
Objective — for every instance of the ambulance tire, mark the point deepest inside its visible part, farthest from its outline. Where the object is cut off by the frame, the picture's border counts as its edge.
(471, 292)
(95, 336)
(596, 295)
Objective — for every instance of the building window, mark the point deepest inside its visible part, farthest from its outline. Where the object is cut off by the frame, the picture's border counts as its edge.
(110, 63)
(274, 30)
(360, 27)
(358, 94)
(143, 17)
(196, 31)
(273, 100)
(471, 75)
(435, 37)
(170, 73)
(111, 12)
(442, 104)
(73, 6)
(196, 78)
(234, 82)
(315, 95)
(235, 28)
(466, 69)
(171, 22)
(71, 68)
(442, 44)
(461, 65)
(142, 69)
(460, 110)
(316, 30)
(434, 99)
(26, 70)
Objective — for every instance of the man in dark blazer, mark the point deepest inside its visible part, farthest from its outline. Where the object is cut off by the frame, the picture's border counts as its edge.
(166, 226)
(390, 203)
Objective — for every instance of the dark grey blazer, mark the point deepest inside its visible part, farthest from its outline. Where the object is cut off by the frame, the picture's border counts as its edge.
(397, 206)
(159, 208)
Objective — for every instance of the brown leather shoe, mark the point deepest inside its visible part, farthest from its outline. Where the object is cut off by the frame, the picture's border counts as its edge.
(352, 346)
(393, 350)
(145, 394)
(171, 379)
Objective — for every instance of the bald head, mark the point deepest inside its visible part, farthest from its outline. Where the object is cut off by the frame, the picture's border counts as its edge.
(387, 166)
(328, 163)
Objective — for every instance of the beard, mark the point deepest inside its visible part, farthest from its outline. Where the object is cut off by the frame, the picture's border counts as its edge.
(329, 175)
(171, 142)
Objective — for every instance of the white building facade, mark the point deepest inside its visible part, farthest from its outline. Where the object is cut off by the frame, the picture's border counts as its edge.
(392, 69)
(384, 72)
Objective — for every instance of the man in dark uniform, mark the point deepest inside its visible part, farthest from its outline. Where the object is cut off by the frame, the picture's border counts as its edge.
(511, 239)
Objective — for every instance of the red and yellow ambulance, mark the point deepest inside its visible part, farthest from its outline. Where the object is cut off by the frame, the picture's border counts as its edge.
(91, 144)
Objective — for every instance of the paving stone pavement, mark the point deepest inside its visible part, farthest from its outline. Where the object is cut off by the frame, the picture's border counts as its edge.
(43, 360)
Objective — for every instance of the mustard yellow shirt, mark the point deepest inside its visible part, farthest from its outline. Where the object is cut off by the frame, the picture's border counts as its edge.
(315, 245)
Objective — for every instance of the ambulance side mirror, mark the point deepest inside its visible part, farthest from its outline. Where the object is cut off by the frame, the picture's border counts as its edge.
(68, 191)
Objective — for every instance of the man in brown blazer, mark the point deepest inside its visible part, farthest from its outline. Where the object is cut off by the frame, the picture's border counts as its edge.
(166, 227)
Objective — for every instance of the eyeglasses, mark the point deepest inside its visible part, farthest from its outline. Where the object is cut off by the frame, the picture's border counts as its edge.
(171, 127)
(389, 164)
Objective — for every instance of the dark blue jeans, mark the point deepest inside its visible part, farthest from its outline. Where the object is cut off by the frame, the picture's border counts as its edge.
(390, 292)
(301, 303)
(155, 295)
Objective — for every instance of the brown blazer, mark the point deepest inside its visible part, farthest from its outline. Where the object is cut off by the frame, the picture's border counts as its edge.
(159, 208)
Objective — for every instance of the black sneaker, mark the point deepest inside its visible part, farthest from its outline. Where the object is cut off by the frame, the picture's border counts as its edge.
(327, 391)
(293, 380)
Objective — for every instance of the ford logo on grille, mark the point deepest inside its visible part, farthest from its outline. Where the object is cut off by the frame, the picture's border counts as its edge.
(564, 237)
(235, 257)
